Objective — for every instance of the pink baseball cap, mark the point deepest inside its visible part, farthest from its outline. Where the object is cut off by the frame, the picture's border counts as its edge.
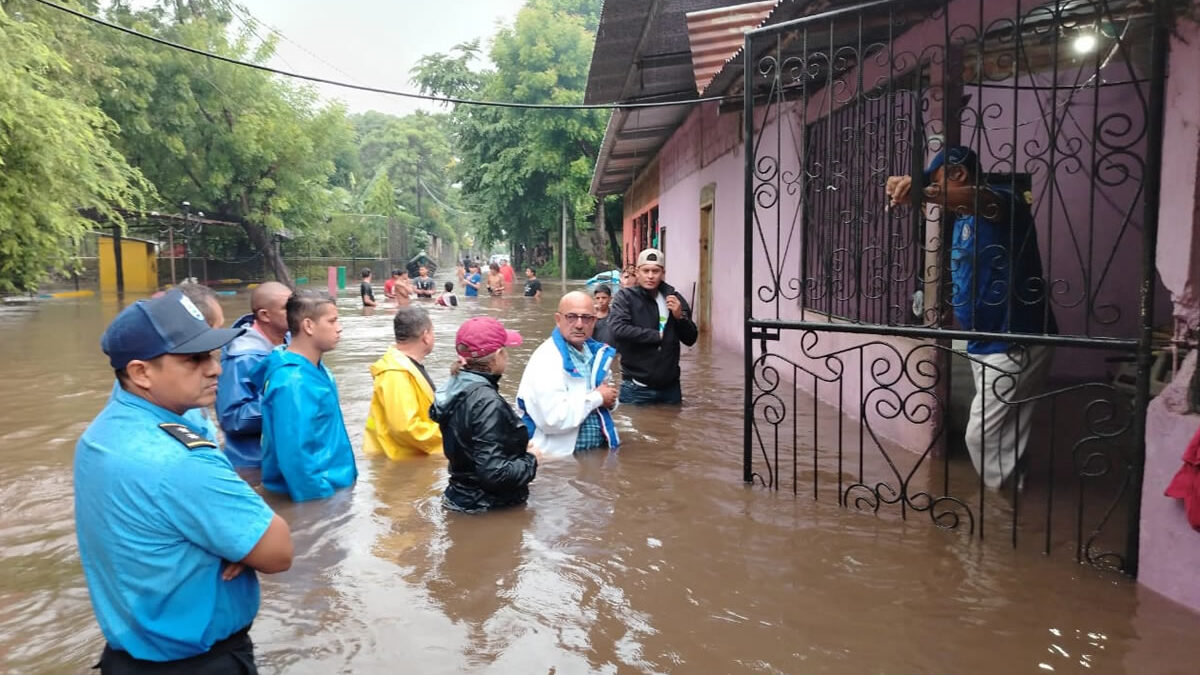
(483, 335)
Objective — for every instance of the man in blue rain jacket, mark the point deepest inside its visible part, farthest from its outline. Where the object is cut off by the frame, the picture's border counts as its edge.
(306, 452)
(238, 396)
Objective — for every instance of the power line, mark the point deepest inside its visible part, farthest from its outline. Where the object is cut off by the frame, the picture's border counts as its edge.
(443, 204)
(376, 90)
(251, 24)
(250, 20)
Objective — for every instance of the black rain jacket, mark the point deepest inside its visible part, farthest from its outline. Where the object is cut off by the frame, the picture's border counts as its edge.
(484, 442)
(647, 356)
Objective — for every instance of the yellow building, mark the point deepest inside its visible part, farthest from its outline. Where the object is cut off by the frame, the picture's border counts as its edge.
(139, 261)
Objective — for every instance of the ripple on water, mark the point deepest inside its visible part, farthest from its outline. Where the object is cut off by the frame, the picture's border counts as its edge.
(653, 559)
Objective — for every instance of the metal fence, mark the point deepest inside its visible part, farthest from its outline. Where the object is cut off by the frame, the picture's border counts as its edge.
(1039, 258)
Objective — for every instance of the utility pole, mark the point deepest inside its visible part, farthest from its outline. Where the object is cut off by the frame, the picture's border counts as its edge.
(171, 247)
(564, 242)
(118, 259)
(187, 234)
(418, 195)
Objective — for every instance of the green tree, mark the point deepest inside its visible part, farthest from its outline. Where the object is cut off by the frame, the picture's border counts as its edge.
(450, 74)
(518, 166)
(414, 153)
(234, 142)
(59, 171)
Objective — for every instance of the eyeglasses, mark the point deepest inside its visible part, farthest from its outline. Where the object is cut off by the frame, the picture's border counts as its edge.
(585, 318)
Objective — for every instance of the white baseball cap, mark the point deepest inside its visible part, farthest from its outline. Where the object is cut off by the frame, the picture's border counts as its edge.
(651, 256)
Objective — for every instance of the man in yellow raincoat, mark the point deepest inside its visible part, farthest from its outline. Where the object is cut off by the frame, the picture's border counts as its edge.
(398, 424)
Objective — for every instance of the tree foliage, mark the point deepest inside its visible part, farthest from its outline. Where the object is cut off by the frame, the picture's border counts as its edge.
(236, 143)
(519, 165)
(59, 169)
(414, 154)
(95, 124)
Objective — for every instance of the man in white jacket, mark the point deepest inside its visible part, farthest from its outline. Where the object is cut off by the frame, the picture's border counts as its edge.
(565, 395)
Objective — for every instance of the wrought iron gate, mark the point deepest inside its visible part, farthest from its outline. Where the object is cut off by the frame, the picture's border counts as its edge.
(857, 308)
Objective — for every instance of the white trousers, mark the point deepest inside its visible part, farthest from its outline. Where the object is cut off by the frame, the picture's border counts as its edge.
(999, 426)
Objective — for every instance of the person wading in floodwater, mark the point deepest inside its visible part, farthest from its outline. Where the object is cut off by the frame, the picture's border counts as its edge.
(603, 304)
(398, 424)
(491, 458)
(472, 282)
(423, 285)
(533, 285)
(647, 323)
(169, 535)
(205, 300)
(565, 392)
(365, 291)
(495, 280)
(306, 452)
(239, 400)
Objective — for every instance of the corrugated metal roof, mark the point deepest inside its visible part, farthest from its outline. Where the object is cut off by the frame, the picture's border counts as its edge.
(728, 77)
(642, 53)
(716, 35)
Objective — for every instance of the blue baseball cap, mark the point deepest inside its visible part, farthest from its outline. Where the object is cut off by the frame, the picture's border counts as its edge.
(169, 324)
(959, 155)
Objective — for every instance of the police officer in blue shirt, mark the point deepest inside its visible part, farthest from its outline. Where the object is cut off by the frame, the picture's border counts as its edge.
(170, 537)
(997, 287)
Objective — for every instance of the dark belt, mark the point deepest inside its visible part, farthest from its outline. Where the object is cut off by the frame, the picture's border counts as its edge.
(236, 650)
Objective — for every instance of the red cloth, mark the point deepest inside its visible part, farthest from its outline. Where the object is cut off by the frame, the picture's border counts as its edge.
(1186, 483)
(508, 273)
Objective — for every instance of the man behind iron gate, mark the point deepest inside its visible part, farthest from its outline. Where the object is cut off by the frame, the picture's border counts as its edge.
(169, 535)
(998, 287)
(647, 322)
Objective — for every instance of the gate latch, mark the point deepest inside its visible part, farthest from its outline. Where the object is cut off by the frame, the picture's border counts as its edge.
(764, 335)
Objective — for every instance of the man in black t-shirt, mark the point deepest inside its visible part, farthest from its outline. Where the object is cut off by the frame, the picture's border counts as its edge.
(423, 284)
(533, 285)
(364, 289)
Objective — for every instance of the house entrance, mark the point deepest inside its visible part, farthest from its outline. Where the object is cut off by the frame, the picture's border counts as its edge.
(950, 355)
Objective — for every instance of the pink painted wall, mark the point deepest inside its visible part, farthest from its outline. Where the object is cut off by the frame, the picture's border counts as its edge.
(1085, 224)
(1170, 549)
(707, 149)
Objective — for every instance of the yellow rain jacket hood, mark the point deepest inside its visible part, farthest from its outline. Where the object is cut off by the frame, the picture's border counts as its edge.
(398, 424)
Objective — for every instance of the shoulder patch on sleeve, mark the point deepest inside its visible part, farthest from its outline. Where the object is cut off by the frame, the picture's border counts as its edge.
(190, 439)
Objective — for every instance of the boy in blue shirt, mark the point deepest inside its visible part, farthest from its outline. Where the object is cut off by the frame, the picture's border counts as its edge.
(306, 451)
(169, 536)
(471, 282)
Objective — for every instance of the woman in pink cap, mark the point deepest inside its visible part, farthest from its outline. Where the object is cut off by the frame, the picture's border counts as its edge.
(487, 445)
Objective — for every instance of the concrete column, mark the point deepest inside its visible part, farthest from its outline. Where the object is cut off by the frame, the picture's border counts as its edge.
(1170, 549)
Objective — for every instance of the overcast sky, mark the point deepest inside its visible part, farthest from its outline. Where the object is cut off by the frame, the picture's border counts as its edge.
(374, 42)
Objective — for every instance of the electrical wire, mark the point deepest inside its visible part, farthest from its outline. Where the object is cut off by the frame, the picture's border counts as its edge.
(250, 21)
(379, 90)
(444, 204)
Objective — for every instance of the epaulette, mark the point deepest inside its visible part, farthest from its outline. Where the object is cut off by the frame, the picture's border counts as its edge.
(190, 439)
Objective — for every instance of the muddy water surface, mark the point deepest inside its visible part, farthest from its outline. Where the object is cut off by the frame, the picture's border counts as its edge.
(654, 560)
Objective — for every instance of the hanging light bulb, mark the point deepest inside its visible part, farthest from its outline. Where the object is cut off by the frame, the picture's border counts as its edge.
(1085, 43)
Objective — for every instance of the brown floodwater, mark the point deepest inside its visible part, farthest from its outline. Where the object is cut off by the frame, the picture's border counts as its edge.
(656, 559)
